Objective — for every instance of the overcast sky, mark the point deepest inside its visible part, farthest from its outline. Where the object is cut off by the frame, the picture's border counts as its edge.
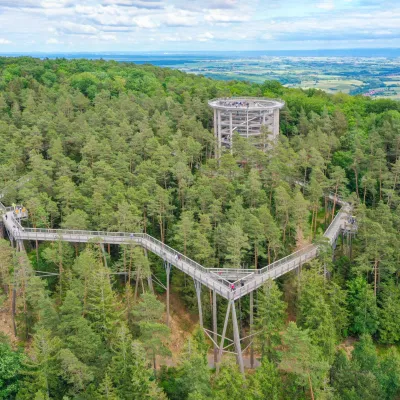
(143, 25)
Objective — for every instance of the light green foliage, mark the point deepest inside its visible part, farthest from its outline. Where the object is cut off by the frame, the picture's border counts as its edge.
(230, 383)
(106, 390)
(195, 374)
(101, 305)
(6, 262)
(266, 382)
(77, 220)
(152, 332)
(302, 359)
(235, 243)
(314, 311)
(75, 373)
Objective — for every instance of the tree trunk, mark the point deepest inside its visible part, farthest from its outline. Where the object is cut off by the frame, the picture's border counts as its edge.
(60, 267)
(136, 286)
(311, 388)
(13, 310)
(356, 176)
(154, 362)
(334, 203)
(375, 276)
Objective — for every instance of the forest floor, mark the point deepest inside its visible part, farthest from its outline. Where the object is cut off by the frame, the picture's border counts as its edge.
(182, 324)
(6, 326)
(348, 345)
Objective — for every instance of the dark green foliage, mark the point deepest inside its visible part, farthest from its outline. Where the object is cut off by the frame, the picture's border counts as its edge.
(75, 330)
(362, 307)
(10, 370)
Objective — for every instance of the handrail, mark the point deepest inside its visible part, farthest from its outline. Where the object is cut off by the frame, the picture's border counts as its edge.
(221, 278)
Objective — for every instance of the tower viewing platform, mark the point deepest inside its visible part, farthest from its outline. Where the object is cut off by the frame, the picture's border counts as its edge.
(246, 116)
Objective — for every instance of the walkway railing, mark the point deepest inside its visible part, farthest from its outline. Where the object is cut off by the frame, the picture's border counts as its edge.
(228, 282)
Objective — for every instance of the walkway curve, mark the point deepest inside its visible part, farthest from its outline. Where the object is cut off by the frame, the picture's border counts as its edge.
(219, 280)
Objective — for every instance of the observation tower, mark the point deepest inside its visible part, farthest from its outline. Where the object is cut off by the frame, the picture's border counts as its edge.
(245, 116)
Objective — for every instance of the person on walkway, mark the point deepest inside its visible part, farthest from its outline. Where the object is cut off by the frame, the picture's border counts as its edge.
(233, 287)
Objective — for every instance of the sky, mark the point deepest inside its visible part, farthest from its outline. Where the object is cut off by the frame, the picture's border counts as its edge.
(190, 25)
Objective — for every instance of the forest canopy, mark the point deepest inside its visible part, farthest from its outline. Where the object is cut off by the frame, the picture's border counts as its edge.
(121, 147)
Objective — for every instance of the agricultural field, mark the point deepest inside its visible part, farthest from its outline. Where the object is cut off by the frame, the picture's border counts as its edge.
(373, 77)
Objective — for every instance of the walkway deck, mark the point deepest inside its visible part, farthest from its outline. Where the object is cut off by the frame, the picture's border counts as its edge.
(219, 280)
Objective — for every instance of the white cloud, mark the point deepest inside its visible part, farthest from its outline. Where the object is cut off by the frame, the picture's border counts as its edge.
(146, 4)
(5, 41)
(204, 37)
(267, 36)
(53, 41)
(74, 28)
(145, 22)
(326, 5)
(225, 24)
(56, 4)
(107, 37)
(222, 16)
(180, 18)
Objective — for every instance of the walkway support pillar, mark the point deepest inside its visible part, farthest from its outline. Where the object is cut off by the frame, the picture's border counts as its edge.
(236, 338)
(251, 329)
(221, 346)
(103, 250)
(197, 285)
(215, 327)
(167, 267)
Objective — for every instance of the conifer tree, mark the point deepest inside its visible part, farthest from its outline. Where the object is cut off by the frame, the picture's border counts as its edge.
(152, 332)
(75, 331)
(128, 369)
(101, 305)
(266, 382)
(362, 307)
(303, 359)
(270, 318)
(229, 384)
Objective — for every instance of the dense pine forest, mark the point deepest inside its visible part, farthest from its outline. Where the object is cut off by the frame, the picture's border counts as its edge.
(120, 147)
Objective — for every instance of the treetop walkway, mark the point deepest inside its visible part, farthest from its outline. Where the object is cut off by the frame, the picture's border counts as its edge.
(230, 283)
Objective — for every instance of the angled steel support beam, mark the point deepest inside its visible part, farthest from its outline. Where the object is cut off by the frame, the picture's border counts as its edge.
(167, 267)
(221, 346)
(251, 329)
(197, 285)
(236, 338)
(215, 326)
(103, 251)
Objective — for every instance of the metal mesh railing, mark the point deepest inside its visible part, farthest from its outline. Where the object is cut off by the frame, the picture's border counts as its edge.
(219, 279)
